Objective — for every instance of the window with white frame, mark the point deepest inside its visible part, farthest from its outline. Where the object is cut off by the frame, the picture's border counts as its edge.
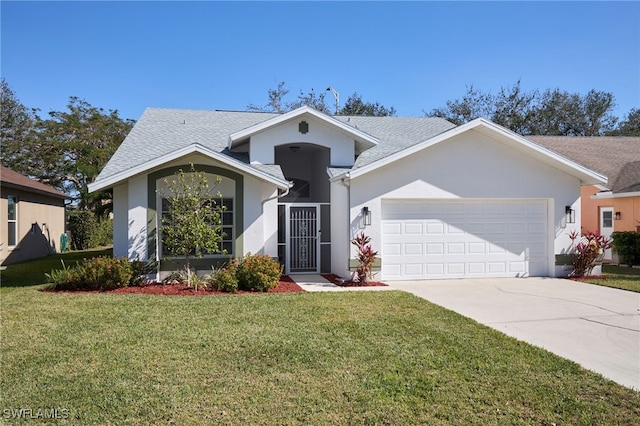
(12, 221)
(227, 229)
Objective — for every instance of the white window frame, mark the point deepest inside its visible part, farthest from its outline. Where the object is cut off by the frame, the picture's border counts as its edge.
(12, 222)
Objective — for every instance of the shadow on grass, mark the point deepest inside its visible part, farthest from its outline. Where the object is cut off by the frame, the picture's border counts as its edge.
(32, 272)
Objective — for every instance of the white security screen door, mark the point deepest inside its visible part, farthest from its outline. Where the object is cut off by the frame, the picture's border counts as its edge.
(606, 226)
(303, 237)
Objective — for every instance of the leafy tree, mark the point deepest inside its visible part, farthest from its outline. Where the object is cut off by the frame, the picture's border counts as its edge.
(310, 99)
(17, 127)
(276, 100)
(513, 108)
(192, 225)
(552, 112)
(355, 106)
(474, 104)
(68, 149)
(630, 126)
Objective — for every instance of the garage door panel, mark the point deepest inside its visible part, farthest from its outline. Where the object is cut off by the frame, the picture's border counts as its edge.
(435, 248)
(436, 228)
(464, 238)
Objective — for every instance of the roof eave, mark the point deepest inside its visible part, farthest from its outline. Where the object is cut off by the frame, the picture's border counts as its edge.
(118, 178)
(357, 134)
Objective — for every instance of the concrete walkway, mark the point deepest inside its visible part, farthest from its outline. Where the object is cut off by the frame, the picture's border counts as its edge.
(314, 282)
(597, 327)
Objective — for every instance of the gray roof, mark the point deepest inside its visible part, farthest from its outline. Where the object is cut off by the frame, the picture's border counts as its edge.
(160, 132)
(617, 157)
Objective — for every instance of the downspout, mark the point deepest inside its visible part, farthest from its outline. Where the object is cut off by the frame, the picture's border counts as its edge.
(346, 182)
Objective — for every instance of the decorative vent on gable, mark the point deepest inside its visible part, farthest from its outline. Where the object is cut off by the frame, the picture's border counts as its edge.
(303, 127)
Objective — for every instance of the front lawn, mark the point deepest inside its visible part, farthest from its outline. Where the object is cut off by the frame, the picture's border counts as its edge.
(32, 272)
(622, 277)
(265, 359)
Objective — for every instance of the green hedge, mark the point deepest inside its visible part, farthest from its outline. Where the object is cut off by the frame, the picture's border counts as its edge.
(627, 245)
(89, 231)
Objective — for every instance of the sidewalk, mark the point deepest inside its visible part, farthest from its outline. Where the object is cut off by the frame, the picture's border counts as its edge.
(314, 282)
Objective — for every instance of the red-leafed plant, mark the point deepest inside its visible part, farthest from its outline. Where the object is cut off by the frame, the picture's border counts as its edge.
(365, 256)
(587, 251)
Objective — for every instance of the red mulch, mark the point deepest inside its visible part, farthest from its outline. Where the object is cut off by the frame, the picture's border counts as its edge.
(332, 278)
(285, 285)
(590, 277)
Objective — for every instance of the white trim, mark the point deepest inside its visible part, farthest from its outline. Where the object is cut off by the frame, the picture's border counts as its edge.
(305, 110)
(610, 194)
(584, 174)
(194, 148)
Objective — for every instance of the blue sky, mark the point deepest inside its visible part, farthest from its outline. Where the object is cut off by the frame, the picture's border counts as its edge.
(413, 56)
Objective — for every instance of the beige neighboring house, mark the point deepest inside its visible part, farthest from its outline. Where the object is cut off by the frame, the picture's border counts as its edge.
(32, 218)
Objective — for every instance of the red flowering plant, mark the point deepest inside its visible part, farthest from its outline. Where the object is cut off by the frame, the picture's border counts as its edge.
(365, 256)
(587, 251)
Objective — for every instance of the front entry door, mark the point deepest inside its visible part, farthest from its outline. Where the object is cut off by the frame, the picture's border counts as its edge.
(304, 241)
(606, 226)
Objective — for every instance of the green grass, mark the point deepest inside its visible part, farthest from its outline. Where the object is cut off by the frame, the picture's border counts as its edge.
(622, 277)
(284, 359)
(32, 272)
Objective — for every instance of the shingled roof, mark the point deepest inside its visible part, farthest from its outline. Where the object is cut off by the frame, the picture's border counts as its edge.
(160, 132)
(617, 157)
(12, 179)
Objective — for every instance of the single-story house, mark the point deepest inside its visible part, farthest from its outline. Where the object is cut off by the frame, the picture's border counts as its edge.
(438, 201)
(32, 218)
(610, 207)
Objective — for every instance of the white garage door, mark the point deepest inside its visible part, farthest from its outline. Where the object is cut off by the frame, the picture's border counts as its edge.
(464, 239)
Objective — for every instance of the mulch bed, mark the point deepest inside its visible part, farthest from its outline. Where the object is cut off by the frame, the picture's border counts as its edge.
(332, 278)
(285, 285)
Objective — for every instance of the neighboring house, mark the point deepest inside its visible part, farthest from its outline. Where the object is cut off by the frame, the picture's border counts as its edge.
(438, 201)
(614, 206)
(32, 217)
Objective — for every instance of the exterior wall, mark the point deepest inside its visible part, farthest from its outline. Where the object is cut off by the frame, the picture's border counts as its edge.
(629, 208)
(120, 221)
(40, 223)
(263, 144)
(340, 229)
(471, 166)
(137, 218)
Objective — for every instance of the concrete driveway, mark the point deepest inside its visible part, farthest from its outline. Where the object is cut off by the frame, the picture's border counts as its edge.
(597, 327)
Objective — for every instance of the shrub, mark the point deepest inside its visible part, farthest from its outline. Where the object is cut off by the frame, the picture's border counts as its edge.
(82, 224)
(188, 277)
(224, 279)
(586, 252)
(98, 273)
(102, 233)
(258, 272)
(627, 245)
(365, 256)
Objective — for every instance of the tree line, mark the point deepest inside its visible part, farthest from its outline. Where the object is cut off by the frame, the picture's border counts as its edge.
(550, 112)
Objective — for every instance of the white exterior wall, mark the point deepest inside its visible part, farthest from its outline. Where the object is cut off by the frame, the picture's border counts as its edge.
(137, 218)
(470, 166)
(340, 233)
(260, 226)
(342, 146)
(120, 221)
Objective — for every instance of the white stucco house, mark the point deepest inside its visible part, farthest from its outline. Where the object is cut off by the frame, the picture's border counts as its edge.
(438, 201)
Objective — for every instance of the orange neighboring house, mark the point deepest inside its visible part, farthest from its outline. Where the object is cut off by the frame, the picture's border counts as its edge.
(32, 218)
(616, 206)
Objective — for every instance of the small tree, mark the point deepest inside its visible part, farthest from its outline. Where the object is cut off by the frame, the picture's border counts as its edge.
(365, 256)
(192, 225)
